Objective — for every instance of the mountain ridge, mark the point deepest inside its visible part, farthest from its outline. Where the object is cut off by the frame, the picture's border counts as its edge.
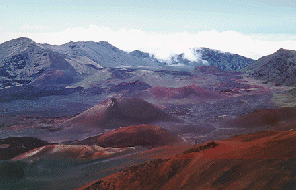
(278, 68)
(22, 60)
(224, 60)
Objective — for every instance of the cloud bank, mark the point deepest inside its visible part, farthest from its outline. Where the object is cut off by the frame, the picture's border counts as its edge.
(165, 44)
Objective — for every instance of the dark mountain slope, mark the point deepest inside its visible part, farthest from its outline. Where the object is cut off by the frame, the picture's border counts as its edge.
(224, 61)
(279, 67)
(24, 61)
(14, 46)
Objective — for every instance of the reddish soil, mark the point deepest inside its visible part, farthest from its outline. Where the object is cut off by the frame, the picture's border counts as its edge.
(264, 160)
(53, 77)
(136, 135)
(270, 117)
(163, 152)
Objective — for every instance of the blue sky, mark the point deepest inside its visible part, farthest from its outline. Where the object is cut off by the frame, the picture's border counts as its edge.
(249, 27)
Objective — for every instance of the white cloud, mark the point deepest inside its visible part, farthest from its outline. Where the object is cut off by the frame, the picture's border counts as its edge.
(164, 44)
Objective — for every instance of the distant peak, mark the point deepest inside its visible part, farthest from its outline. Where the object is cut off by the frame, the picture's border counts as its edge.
(24, 39)
(139, 53)
(21, 40)
(105, 43)
(281, 49)
(286, 51)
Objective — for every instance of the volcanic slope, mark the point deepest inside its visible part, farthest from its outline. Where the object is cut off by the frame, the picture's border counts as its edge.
(264, 160)
(137, 135)
(22, 61)
(276, 119)
(13, 146)
(115, 113)
(279, 68)
(102, 53)
(192, 91)
(73, 152)
(205, 69)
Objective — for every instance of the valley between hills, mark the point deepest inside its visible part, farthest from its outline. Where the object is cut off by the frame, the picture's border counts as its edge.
(87, 115)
